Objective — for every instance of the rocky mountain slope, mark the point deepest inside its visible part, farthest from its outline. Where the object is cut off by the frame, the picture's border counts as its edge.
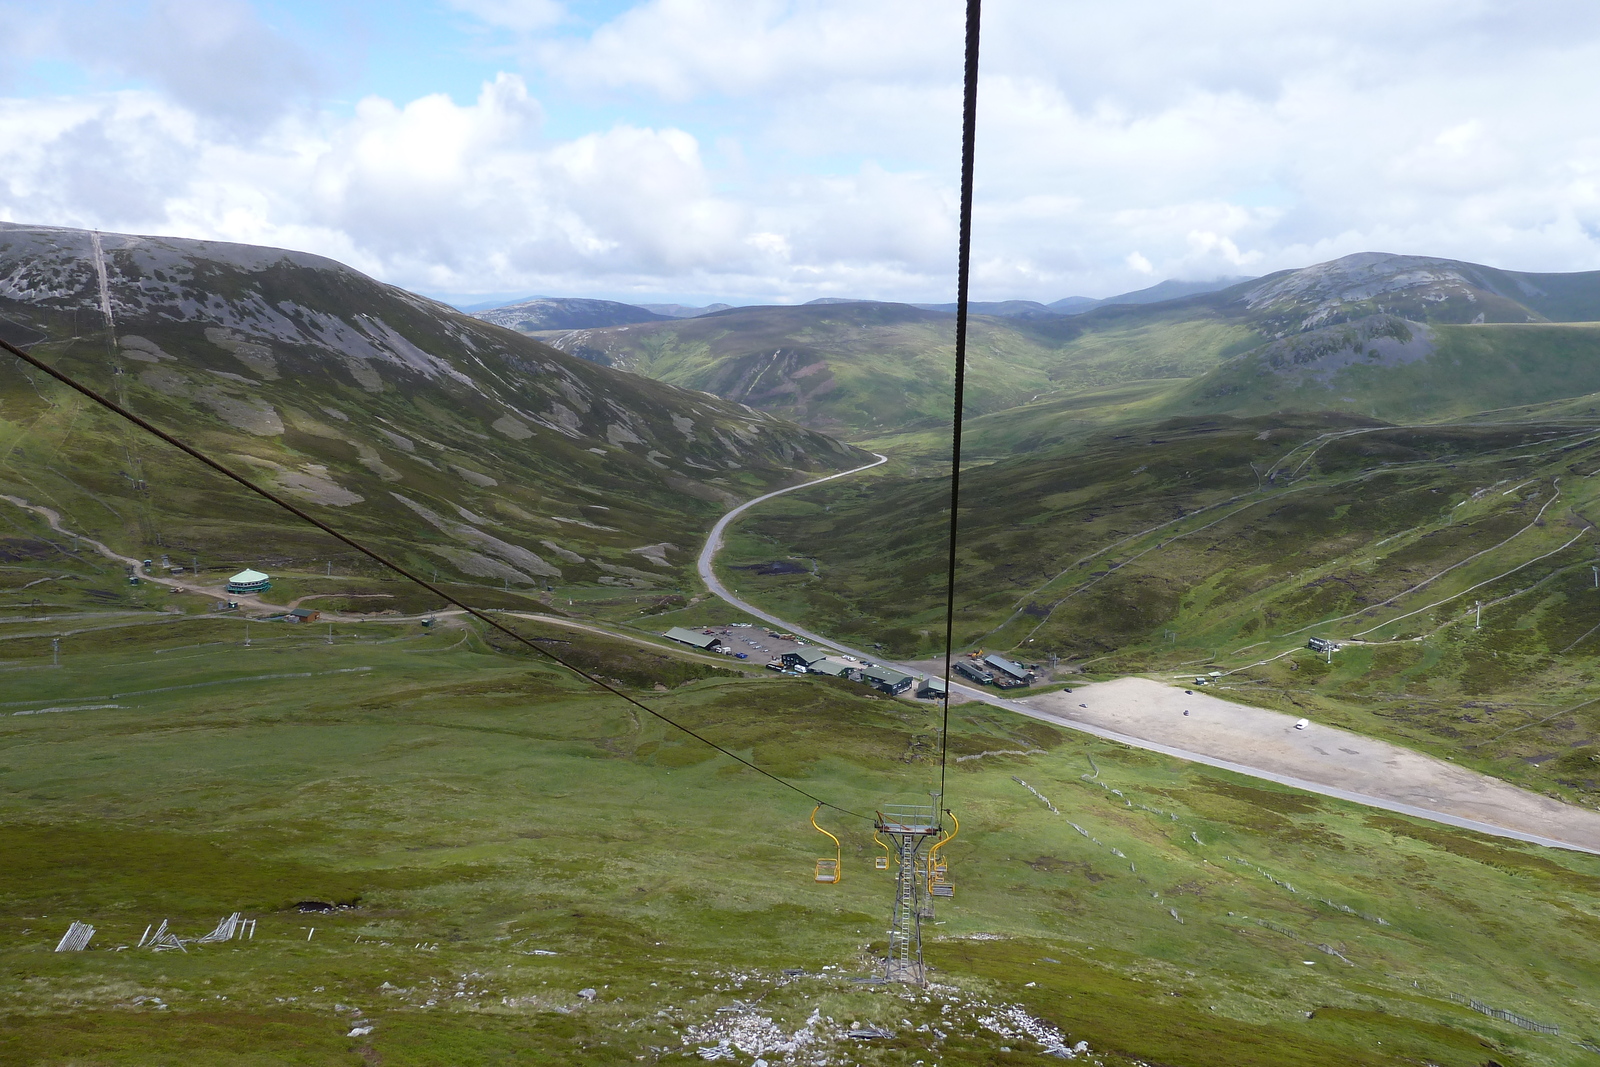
(1402, 338)
(565, 313)
(462, 446)
(1419, 288)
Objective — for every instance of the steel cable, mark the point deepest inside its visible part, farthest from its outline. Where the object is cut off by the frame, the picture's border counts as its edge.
(969, 131)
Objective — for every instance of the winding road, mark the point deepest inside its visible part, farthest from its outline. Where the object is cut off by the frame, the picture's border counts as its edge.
(1406, 782)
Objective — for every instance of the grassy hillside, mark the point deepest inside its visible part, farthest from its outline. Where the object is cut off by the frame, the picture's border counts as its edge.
(853, 368)
(460, 446)
(1225, 543)
(494, 840)
(1456, 371)
(863, 370)
(1056, 419)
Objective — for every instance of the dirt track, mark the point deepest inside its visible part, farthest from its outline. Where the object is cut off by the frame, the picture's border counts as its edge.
(1334, 758)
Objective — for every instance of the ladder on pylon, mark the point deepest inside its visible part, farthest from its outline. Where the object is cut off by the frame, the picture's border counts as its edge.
(904, 962)
(910, 828)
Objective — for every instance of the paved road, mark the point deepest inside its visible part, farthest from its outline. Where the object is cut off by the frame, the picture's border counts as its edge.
(1056, 714)
(708, 554)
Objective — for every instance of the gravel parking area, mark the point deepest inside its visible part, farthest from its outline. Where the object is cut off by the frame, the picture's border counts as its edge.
(757, 642)
(1320, 754)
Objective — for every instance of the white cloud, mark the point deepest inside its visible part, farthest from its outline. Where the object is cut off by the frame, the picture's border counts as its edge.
(216, 58)
(683, 48)
(794, 148)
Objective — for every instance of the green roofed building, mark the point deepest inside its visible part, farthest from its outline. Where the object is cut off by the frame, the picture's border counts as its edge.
(805, 657)
(887, 679)
(249, 581)
(703, 641)
(831, 667)
(1007, 667)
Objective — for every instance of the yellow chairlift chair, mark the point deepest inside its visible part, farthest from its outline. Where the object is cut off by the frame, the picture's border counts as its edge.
(882, 862)
(829, 871)
(938, 885)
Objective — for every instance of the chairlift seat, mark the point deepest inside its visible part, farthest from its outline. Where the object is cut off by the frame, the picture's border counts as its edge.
(882, 863)
(827, 871)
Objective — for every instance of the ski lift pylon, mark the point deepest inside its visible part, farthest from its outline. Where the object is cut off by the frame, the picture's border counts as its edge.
(829, 871)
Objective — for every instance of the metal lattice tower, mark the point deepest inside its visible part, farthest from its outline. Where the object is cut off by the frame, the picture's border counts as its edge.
(911, 828)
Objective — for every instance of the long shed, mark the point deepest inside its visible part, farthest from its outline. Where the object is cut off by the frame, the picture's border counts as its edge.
(1005, 666)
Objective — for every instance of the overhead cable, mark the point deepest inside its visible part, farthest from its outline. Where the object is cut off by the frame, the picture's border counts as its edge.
(969, 132)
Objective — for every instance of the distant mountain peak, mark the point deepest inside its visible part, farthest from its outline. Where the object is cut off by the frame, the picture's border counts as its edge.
(1419, 288)
(566, 313)
(1171, 289)
(1360, 276)
(683, 311)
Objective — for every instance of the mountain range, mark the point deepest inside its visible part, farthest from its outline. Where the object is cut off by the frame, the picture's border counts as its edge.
(1386, 335)
(575, 313)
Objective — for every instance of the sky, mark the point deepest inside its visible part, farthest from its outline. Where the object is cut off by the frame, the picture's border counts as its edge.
(782, 150)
